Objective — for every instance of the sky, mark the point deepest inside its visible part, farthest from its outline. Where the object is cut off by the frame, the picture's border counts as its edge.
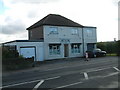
(17, 15)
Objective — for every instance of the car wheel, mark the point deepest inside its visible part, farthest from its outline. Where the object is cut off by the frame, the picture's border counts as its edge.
(94, 55)
(104, 54)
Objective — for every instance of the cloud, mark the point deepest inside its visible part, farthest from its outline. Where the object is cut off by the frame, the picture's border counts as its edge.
(13, 27)
(32, 14)
(7, 37)
(33, 1)
(23, 13)
(116, 2)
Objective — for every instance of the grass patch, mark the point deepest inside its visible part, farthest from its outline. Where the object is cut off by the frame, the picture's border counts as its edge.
(112, 54)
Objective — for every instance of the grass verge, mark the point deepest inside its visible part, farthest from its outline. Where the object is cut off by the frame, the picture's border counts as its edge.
(112, 54)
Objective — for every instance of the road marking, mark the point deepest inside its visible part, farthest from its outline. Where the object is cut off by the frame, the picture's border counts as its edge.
(53, 78)
(66, 85)
(36, 87)
(12, 85)
(40, 83)
(111, 74)
(86, 75)
(99, 69)
(116, 69)
(19, 84)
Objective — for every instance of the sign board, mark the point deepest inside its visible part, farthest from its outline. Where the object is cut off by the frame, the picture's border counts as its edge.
(66, 41)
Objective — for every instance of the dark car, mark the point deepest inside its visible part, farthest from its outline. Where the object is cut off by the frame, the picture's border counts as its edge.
(96, 53)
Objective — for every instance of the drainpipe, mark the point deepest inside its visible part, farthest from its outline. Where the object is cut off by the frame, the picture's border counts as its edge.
(83, 39)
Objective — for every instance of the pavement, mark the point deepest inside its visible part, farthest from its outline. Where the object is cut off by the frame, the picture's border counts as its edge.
(56, 64)
(50, 64)
(66, 73)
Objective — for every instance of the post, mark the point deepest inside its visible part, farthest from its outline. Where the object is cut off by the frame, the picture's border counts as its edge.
(83, 39)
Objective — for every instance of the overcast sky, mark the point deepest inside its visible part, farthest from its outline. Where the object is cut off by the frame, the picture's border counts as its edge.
(17, 15)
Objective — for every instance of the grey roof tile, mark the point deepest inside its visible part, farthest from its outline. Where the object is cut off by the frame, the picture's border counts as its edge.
(55, 20)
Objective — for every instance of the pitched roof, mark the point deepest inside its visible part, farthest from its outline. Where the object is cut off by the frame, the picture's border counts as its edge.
(55, 20)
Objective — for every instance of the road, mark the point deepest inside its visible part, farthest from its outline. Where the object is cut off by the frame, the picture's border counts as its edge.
(69, 73)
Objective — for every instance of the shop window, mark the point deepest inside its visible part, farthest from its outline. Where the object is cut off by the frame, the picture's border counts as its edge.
(75, 48)
(54, 49)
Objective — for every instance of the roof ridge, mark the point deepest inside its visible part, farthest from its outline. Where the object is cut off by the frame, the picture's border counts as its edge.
(46, 18)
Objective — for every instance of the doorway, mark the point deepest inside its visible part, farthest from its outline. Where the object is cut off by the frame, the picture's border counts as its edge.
(66, 50)
(90, 46)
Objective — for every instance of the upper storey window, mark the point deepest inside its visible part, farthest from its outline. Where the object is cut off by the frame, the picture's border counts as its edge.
(89, 33)
(53, 30)
(74, 31)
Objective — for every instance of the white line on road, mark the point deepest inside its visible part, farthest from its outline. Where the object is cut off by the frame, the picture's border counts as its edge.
(66, 85)
(36, 87)
(116, 69)
(86, 75)
(98, 69)
(40, 83)
(17, 84)
(20, 84)
(53, 78)
(111, 74)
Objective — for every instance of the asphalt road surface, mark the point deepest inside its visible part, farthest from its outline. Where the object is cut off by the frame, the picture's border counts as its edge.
(98, 73)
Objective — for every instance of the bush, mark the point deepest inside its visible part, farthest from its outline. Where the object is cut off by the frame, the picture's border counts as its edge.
(12, 61)
(118, 48)
(109, 47)
(15, 63)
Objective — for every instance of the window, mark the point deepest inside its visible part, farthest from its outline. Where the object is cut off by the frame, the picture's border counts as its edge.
(89, 33)
(75, 48)
(54, 49)
(53, 30)
(74, 31)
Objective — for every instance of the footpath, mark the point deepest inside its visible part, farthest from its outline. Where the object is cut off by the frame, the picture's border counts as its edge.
(58, 63)
(49, 65)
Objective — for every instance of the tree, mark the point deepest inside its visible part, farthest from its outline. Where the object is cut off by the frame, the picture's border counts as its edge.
(118, 48)
(101, 45)
(109, 47)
